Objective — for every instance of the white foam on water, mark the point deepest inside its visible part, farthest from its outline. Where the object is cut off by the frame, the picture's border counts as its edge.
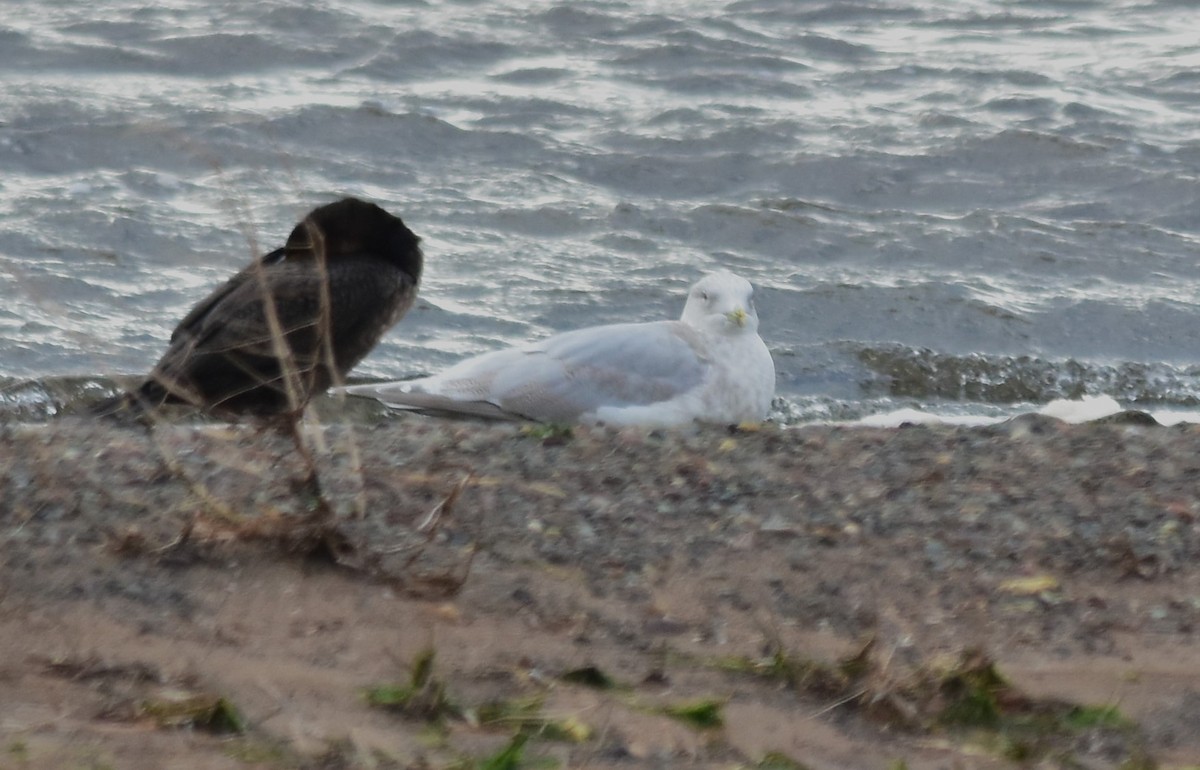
(1072, 411)
(1175, 417)
(916, 417)
(1081, 410)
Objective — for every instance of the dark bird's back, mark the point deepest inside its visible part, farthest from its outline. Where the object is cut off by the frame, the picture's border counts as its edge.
(294, 321)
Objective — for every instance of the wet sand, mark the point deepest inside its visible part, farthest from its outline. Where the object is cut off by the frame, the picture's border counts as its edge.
(138, 567)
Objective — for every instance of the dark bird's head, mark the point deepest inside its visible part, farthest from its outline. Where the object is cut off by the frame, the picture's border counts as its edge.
(353, 227)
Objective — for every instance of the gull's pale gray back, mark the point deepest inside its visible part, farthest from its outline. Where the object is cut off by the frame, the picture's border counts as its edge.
(710, 366)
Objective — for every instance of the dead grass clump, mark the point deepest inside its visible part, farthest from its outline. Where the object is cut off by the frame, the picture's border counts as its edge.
(703, 714)
(320, 535)
(93, 668)
(198, 710)
(549, 433)
(423, 696)
(137, 692)
(527, 716)
(806, 675)
(776, 760)
(965, 697)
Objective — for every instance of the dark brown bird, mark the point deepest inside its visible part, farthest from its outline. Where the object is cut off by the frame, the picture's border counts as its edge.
(293, 322)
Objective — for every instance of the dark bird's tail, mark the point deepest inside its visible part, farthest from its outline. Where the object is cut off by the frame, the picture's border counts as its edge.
(132, 404)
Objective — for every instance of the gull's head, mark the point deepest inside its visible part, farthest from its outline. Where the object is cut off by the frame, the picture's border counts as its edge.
(721, 302)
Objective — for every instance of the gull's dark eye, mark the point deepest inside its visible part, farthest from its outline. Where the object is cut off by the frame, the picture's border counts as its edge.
(704, 296)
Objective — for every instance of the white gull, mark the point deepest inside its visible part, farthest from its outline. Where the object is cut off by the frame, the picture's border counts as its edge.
(709, 366)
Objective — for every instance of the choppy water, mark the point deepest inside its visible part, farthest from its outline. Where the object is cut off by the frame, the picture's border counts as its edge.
(961, 206)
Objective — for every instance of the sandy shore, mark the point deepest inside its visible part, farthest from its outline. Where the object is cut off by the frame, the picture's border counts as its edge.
(744, 570)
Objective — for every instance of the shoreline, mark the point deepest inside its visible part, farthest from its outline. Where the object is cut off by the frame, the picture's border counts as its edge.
(40, 401)
(1070, 554)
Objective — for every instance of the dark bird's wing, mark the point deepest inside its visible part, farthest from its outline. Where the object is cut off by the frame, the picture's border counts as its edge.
(250, 345)
(194, 320)
(279, 332)
(294, 321)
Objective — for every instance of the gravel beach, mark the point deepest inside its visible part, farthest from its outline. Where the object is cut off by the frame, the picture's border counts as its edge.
(208, 559)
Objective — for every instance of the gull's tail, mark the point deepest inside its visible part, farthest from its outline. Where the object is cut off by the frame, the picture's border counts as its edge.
(429, 403)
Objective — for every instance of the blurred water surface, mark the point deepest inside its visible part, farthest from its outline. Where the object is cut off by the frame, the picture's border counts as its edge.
(965, 206)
